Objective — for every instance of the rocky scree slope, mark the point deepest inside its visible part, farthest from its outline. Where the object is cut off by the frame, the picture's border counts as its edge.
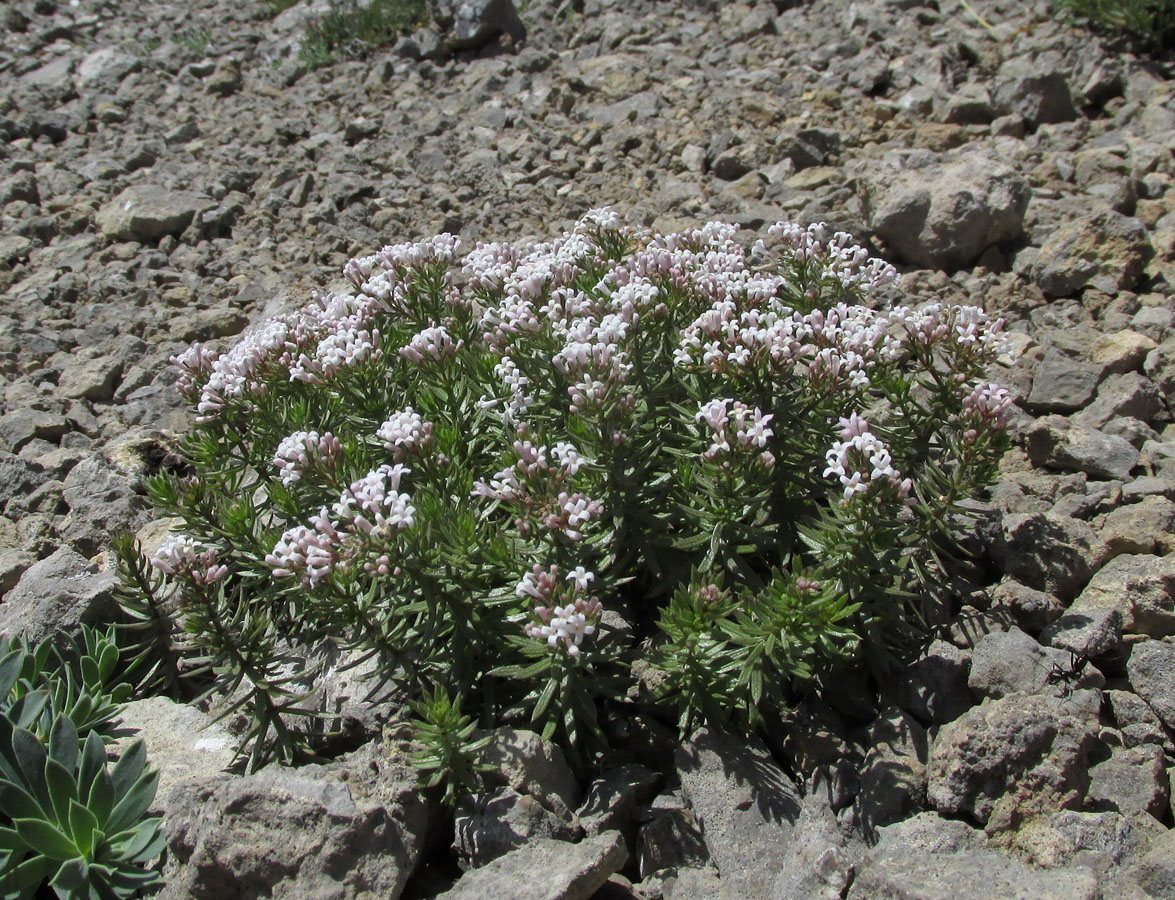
(171, 172)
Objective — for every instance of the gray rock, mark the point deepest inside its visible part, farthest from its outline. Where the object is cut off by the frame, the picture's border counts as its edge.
(934, 689)
(101, 502)
(145, 212)
(1155, 872)
(1105, 250)
(353, 828)
(545, 870)
(1010, 662)
(1151, 669)
(225, 79)
(1089, 634)
(91, 377)
(107, 64)
(969, 875)
(1144, 527)
(1132, 781)
(745, 804)
(927, 834)
(1062, 384)
(612, 798)
(893, 775)
(1139, 587)
(531, 765)
(1015, 756)
(478, 22)
(1060, 443)
(1036, 87)
(19, 477)
(1032, 610)
(1121, 352)
(1047, 552)
(24, 425)
(945, 215)
(491, 825)
(59, 594)
(182, 742)
(670, 840)
(1129, 395)
(820, 862)
(690, 883)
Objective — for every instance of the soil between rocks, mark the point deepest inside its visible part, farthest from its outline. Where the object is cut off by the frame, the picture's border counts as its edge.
(170, 172)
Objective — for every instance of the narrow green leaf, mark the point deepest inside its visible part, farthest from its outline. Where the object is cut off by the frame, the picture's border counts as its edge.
(45, 839)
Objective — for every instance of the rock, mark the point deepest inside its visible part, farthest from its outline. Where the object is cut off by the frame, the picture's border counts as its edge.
(545, 870)
(145, 212)
(1047, 552)
(24, 425)
(18, 478)
(927, 834)
(1105, 250)
(352, 828)
(893, 775)
(1095, 839)
(688, 883)
(1009, 662)
(107, 64)
(1062, 384)
(531, 765)
(101, 502)
(969, 875)
(491, 825)
(225, 79)
(1121, 351)
(13, 564)
(744, 803)
(612, 798)
(1139, 587)
(1089, 635)
(1155, 872)
(934, 689)
(1036, 87)
(1031, 609)
(1145, 527)
(1018, 755)
(1131, 781)
(478, 22)
(1151, 668)
(182, 742)
(946, 214)
(59, 594)
(670, 840)
(819, 863)
(93, 377)
(1060, 443)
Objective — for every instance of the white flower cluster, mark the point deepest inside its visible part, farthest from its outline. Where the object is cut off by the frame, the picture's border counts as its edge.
(303, 451)
(366, 517)
(184, 557)
(835, 257)
(432, 344)
(861, 460)
(405, 433)
(561, 625)
(732, 424)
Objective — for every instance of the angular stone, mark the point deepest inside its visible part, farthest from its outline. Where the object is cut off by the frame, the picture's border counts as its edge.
(744, 802)
(1047, 552)
(1131, 781)
(24, 425)
(1062, 384)
(1011, 662)
(59, 594)
(94, 378)
(1122, 351)
(1035, 87)
(1105, 250)
(1059, 443)
(1139, 587)
(480, 21)
(182, 742)
(612, 798)
(671, 840)
(107, 64)
(101, 502)
(819, 862)
(531, 765)
(1018, 755)
(969, 875)
(491, 825)
(944, 215)
(893, 775)
(353, 828)
(1151, 669)
(1144, 527)
(545, 870)
(934, 689)
(145, 212)
(1089, 634)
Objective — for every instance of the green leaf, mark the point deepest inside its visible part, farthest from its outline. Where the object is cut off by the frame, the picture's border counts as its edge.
(62, 789)
(10, 667)
(73, 877)
(63, 743)
(83, 825)
(45, 839)
(128, 768)
(93, 760)
(134, 803)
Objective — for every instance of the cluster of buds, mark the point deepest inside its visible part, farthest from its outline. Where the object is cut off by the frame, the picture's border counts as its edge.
(732, 425)
(185, 558)
(860, 460)
(405, 434)
(565, 614)
(985, 408)
(835, 257)
(432, 344)
(304, 451)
